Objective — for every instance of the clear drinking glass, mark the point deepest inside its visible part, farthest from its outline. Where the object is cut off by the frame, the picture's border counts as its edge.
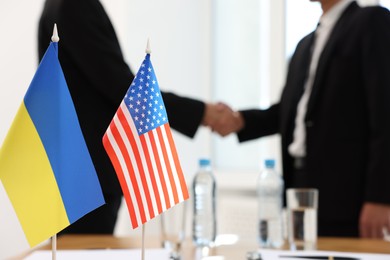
(173, 225)
(302, 207)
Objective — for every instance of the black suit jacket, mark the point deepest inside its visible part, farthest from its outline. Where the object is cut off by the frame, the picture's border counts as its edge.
(98, 77)
(347, 120)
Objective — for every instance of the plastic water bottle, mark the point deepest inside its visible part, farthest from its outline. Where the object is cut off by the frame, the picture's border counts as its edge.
(204, 226)
(270, 194)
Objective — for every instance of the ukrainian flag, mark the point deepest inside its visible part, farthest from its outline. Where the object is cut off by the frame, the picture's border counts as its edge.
(47, 179)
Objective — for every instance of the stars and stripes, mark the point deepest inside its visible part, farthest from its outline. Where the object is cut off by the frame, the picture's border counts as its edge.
(144, 101)
(140, 145)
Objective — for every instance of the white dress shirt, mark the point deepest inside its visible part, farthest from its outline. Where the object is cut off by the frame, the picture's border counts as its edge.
(327, 21)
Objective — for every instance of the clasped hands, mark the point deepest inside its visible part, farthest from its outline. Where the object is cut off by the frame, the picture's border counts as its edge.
(222, 119)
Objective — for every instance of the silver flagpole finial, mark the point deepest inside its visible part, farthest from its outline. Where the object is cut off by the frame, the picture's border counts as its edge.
(148, 50)
(55, 37)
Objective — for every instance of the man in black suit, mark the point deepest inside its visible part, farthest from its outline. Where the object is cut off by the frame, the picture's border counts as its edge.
(98, 78)
(334, 119)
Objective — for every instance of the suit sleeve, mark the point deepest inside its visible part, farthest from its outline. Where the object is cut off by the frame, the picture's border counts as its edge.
(376, 74)
(184, 114)
(259, 123)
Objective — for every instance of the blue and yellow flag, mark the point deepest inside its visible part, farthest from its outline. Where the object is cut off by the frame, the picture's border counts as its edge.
(47, 179)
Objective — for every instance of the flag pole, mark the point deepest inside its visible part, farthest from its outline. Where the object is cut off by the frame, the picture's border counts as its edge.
(54, 247)
(148, 51)
(54, 38)
(143, 242)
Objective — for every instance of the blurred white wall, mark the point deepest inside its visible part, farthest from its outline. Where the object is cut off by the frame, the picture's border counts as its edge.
(18, 55)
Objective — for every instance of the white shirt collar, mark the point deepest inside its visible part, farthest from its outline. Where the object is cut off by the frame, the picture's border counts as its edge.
(331, 16)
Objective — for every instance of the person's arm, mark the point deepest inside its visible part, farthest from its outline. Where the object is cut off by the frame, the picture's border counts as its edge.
(184, 114)
(190, 113)
(259, 123)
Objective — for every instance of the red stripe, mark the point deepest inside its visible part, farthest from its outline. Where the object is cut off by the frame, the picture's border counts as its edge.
(177, 162)
(129, 166)
(159, 169)
(168, 165)
(130, 137)
(151, 173)
(118, 169)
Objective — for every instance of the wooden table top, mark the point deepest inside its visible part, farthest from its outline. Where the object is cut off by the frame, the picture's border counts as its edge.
(230, 252)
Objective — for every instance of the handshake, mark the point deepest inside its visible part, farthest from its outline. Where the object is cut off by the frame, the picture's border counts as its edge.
(222, 119)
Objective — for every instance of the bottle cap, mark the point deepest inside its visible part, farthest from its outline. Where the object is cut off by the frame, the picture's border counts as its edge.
(269, 163)
(204, 162)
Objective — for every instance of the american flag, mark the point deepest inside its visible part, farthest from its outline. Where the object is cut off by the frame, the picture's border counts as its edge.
(140, 146)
